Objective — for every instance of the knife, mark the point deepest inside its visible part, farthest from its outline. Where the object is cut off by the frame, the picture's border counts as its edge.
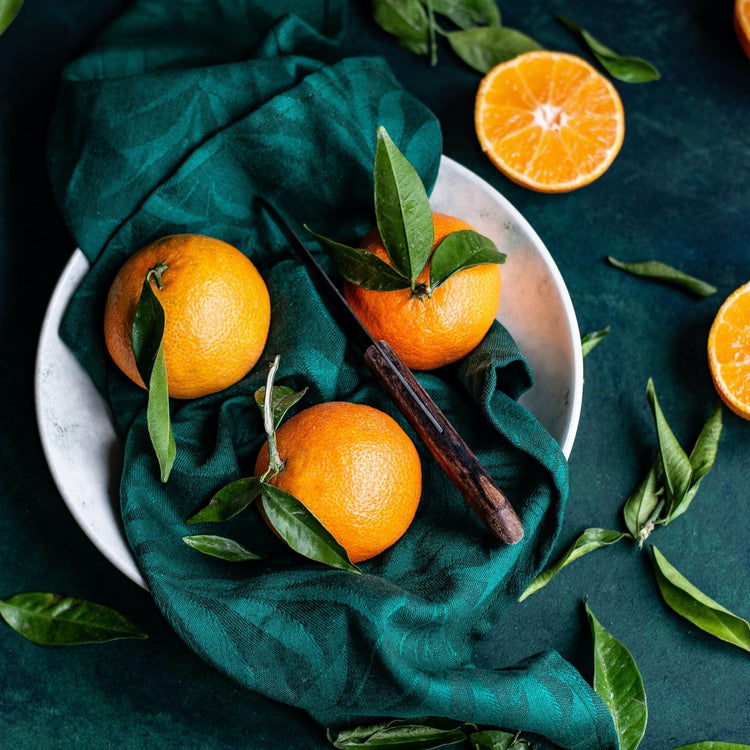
(453, 455)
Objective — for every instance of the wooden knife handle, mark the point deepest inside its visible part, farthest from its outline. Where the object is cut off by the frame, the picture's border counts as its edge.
(446, 445)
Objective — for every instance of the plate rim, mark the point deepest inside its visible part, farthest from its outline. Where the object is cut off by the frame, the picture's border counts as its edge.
(77, 266)
(571, 429)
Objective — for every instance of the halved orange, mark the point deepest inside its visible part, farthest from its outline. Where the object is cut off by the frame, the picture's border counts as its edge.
(549, 121)
(742, 23)
(729, 351)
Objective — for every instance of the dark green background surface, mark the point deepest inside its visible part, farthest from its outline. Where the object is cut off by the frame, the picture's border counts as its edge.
(679, 191)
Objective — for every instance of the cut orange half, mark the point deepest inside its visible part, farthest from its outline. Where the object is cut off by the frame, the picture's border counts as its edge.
(549, 121)
(729, 351)
(742, 23)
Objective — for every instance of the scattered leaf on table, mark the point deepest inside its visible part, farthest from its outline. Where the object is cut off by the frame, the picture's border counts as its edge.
(301, 530)
(484, 47)
(468, 13)
(588, 541)
(618, 683)
(146, 334)
(404, 734)
(696, 607)
(221, 547)
(460, 250)
(678, 473)
(402, 209)
(655, 269)
(53, 620)
(623, 68)
(8, 11)
(230, 500)
(702, 459)
(406, 20)
(640, 509)
(590, 340)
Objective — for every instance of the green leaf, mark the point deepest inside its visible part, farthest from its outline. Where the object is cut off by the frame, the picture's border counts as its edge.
(702, 459)
(301, 530)
(697, 608)
(147, 333)
(703, 455)
(460, 250)
(221, 547)
(361, 267)
(53, 620)
(484, 47)
(640, 509)
(618, 683)
(468, 13)
(678, 472)
(404, 734)
(283, 398)
(402, 210)
(654, 269)
(157, 417)
(406, 20)
(8, 11)
(588, 541)
(498, 739)
(230, 500)
(590, 340)
(627, 69)
(713, 745)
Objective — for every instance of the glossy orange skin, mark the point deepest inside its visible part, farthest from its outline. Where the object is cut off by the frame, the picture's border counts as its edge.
(216, 308)
(435, 330)
(354, 469)
(729, 351)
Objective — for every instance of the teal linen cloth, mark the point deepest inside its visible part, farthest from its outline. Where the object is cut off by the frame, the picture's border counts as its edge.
(180, 114)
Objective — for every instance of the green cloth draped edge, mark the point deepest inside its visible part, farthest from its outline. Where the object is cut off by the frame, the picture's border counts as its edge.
(177, 117)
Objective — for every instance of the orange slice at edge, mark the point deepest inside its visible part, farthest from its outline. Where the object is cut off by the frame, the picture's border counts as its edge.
(729, 351)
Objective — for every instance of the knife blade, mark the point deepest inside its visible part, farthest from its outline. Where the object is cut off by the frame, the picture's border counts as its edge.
(451, 452)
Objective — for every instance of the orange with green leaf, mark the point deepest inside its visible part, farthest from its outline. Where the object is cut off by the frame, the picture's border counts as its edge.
(339, 482)
(426, 283)
(216, 312)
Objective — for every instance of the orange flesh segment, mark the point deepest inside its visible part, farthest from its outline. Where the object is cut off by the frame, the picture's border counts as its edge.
(729, 351)
(549, 120)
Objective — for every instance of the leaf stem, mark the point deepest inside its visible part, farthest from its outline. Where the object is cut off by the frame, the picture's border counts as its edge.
(650, 524)
(157, 272)
(276, 464)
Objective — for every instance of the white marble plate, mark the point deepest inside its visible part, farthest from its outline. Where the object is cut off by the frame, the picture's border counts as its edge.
(85, 455)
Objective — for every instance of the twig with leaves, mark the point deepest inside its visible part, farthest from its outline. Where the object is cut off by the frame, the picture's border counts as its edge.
(291, 520)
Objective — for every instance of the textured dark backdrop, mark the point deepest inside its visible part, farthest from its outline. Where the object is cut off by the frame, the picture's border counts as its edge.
(679, 191)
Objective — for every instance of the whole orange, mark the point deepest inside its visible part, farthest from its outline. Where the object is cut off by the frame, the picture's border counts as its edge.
(437, 329)
(354, 469)
(216, 312)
